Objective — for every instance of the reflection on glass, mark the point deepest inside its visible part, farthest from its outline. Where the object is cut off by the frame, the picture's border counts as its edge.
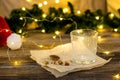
(84, 44)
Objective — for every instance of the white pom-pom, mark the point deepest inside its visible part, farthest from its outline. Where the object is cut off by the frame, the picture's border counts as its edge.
(14, 41)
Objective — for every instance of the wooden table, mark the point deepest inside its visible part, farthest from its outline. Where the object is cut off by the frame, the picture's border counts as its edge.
(17, 65)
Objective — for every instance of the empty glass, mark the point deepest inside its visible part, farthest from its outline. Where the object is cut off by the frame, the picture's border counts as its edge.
(84, 45)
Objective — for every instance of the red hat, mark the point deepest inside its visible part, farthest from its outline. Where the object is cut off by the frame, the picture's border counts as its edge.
(4, 31)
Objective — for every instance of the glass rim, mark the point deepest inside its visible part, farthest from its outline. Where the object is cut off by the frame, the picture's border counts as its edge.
(83, 30)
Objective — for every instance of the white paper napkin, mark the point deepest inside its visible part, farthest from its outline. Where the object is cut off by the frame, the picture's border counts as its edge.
(65, 62)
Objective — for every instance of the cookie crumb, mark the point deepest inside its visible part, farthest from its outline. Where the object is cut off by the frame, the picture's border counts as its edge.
(46, 62)
(54, 57)
(60, 62)
(67, 64)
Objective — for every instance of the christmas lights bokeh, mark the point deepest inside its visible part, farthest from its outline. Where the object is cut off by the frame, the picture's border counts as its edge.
(61, 19)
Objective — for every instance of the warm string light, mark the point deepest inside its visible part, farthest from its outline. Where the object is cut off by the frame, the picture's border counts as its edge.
(6, 30)
(16, 63)
(20, 31)
(21, 18)
(23, 38)
(54, 37)
(61, 18)
(39, 45)
(115, 30)
(107, 52)
(65, 10)
(58, 33)
(40, 5)
(43, 46)
(100, 39)
(23, 8)
(46, 47)
(97, 17)
(36, 20)
(116, 77)
(111, 15)
(44, 15)
(43, 30)
(28, 0)
(57, 1)
(104, 51)
(45, 2)
(101, 28)
(78, 12)
(8, 55)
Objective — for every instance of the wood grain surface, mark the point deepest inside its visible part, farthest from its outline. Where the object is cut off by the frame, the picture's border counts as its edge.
(19, 65)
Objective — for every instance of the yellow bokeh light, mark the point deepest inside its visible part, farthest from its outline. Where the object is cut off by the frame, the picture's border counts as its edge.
(43, 30)
(21, 18)
(57, 1)
(79, 31)
(117, 76)
(54, 37)
(20, 31)
(6, 30)
(78, 12)
(23, 8)
(61, 19)
(106, 52)
(100, 26)
(40, 5)
(65, 10)
(57, 32)
(36, 20)
(44, 15)
(23, 37)
(97, 17)
(17, 63)
(99, 37)
(28, 0)
(116, 30)
(45, 2)
(41, 46)
(111, 15)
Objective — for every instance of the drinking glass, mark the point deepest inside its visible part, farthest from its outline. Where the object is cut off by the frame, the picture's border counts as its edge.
(84, 45)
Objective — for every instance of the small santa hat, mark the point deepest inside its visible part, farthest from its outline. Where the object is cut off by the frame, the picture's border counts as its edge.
(7, 37)
(4, 31)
